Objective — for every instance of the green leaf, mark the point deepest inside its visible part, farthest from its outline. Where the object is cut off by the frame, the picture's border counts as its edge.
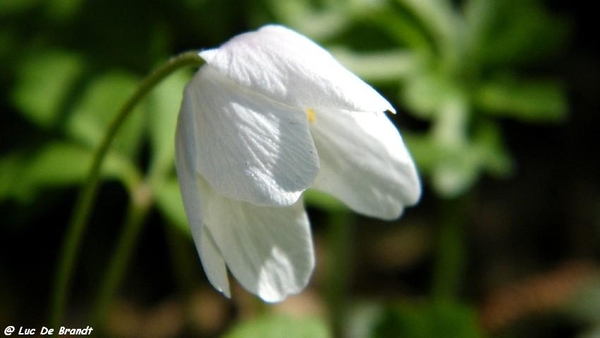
(452, 119)
(492, 154)
(519, 31)
(44, 82)
(11, 166)
(318, 23)
(425, 91)
(101, 101)
(455, 167)
(429, 320)
(397, 24)
(478, 15)
(276, 326)
(531, 101)
(456, 171)
(437, 16)
(585, 305)
(389, 66)
(423, 150)
(162, 109)
(60, 164)
(62, 10)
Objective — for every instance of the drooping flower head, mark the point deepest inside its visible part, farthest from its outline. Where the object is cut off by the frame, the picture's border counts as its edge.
(268, 116)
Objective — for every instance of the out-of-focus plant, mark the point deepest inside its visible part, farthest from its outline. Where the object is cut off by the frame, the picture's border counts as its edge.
(44, 95)
(55, 92)
(68, 159)
(460, 67)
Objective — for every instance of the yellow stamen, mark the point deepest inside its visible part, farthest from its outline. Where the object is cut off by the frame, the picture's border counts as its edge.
(311, 115)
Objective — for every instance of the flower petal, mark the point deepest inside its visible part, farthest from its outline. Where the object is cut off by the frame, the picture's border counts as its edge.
(185, 159)
(185, 155)
(364, 163)
(268, 250)
(212, 261)
(248, 148)
(288, 67)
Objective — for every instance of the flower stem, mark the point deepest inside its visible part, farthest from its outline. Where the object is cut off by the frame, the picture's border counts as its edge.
(451, 251)
(339, 240)
(138, 210)
(88, 193)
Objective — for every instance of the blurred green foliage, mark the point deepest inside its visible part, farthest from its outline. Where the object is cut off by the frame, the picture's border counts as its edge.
(428, 320)
(272, 326)
(455, 69)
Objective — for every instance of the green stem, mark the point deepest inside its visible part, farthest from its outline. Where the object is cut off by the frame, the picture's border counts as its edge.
(138, 210)
(88, 193)
(451, 251)
(339, 240)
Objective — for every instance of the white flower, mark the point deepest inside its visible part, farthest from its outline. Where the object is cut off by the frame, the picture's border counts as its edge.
(268, 116)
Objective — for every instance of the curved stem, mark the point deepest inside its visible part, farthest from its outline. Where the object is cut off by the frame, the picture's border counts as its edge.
(88, 193)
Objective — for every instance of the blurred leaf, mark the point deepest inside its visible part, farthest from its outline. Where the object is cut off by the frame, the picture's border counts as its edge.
(478, 15)
(276, 326)
(402, 27)
(585, 307)
(455, 172)
(169, 202)
(361, 6)
(55, 165)
(438, 17)
(423, 149)
(11, 166)
(447, 88)
(59, 164)
(391, 65)
(455, 168)
(425, 91)
(594, 332)
(361, 317)
(99, 104)
(533, 101)
(458, 168)
(62, 10)
(452, 119)
(44, 82)
(319, 23)
(452, 157)
(491, 151)
(431, 320)
(7, 43)
(518, 31)
(163, 109)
